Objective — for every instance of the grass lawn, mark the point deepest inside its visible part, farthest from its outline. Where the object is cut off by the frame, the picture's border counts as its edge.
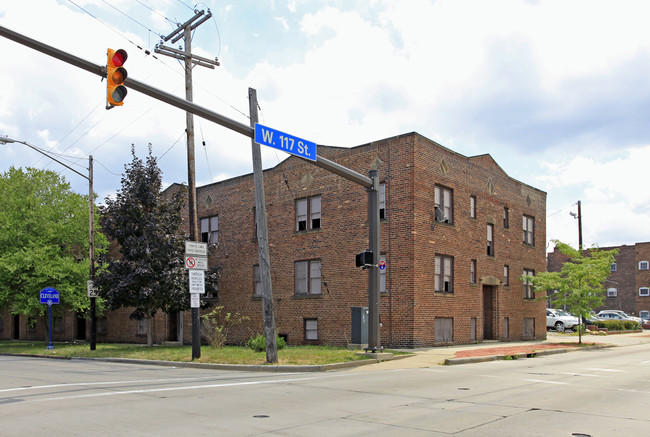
(289, 355)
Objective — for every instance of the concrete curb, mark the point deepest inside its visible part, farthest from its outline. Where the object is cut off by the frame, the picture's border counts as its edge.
(236, 367)
(532, 354)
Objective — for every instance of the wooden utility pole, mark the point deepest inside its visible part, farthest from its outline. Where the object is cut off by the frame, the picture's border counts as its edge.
(185, 31)
(263, 239)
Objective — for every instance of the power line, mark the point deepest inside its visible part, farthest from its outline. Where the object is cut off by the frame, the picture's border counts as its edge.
(130, 18)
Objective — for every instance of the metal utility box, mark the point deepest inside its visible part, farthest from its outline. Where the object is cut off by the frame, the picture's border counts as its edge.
(359, 325)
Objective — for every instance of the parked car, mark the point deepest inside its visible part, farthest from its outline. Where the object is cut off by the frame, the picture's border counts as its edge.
(560, 320)
(618, 315)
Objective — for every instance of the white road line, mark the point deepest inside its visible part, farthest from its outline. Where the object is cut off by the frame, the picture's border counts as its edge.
(76, 384)
(546, 382)
(604, 370)
(166, 389)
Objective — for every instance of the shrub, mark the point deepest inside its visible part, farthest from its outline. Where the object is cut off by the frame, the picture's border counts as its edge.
(258, 344)
(617, 325)
(216, 325)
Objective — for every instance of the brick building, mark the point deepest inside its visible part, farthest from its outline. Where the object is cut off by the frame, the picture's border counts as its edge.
(451, 281)
(628, 284)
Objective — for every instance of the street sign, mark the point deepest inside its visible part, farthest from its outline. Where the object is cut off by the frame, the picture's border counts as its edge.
(49, 296)
(197, 281)
(196, 248)
(287, 143)
(382, 265)
(195, 300)
(92, 290)
(196, 262)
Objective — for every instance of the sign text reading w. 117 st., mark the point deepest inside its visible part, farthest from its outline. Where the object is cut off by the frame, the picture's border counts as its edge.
(267, 136)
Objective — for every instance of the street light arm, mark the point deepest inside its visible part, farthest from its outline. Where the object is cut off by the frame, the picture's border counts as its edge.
(5, 140)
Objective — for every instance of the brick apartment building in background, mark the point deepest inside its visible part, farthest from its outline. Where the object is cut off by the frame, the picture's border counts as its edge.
(628, 284)
(446, 282)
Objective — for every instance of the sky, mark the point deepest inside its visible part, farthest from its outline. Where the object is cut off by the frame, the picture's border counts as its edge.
(556, 91)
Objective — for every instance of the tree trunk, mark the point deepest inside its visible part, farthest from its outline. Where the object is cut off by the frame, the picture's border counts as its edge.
(150, 330)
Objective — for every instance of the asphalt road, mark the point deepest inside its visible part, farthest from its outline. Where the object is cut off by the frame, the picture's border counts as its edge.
(604, 392)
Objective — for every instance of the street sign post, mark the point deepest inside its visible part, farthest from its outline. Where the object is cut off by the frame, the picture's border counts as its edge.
(287, 143)
(196, 262)
(196, 248)
(49, 296)
(197, 281)
(92, 290)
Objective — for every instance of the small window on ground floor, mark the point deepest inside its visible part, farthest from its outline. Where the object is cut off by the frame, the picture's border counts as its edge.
(311, 329)
(143, 327)
(506, 327)
(644, 314)
(444, 330)
(529, 328)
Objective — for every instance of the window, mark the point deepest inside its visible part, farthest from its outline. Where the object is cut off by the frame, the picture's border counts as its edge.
(444, 270)
(443, 198)
(257, 279)
(308, 213)
(382, 201)
(472, 206)
(506, 217)
(382, 276)
(644, 291)
(57, 323)
(612, 292)
(102, 325)
(308, 278)
(529, 230)
(612, 267)
(143, 327)
(506, 327)
(643, 265)
(645, 315)
(443, 330)
(472, 271)
(490, 240)
(210, 229)
(528, 286)
(311, 329)
(506, 275)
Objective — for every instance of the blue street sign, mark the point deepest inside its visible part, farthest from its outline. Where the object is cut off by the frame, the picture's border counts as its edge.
(267, 136)
(49, 296)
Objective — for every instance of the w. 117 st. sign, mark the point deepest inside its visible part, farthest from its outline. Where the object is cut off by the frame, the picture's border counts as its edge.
(267, 136)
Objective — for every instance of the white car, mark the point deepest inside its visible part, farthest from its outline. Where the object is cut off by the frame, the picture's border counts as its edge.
(560, 320)
(618, 315)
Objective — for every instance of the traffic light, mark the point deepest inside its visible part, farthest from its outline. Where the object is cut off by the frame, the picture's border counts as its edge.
(365, 259)
(115, 77)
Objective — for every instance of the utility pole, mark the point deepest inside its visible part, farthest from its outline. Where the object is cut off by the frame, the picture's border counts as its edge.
(91, 255)
(263, 239)
(185, 31)
(579, 217)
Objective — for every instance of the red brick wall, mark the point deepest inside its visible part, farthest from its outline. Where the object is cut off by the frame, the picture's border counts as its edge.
(410, 166)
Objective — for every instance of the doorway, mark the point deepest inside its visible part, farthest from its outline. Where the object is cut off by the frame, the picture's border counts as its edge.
(16, 330)
(489, 325)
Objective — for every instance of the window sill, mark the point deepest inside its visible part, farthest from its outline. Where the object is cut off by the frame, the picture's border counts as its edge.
(443, 293)
(307, 231)
(307, 296)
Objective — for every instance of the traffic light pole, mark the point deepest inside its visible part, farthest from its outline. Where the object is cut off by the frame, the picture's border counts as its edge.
(370, 183)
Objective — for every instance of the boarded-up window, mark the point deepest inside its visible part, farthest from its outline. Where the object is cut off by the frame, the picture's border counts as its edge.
(529, 328)
(472, 329)
(444, 330)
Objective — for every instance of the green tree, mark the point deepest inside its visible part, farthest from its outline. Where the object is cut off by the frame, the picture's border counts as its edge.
(43, 242)
(579, 285)
(149, 276)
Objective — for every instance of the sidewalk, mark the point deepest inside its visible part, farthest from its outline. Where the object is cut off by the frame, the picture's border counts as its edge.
(490, 351)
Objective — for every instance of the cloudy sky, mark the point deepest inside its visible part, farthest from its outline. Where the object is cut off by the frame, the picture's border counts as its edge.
(556, 91)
